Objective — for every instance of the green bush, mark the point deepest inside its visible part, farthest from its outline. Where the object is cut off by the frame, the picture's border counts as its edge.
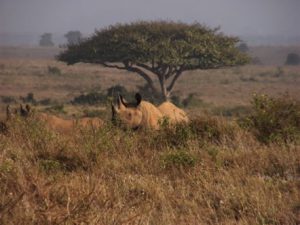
(92, 98)
(191, 101)
(29, 98)
(178, 159)
(273, 119)
(118, 89)
(292, 59)
(235, 111)
(211, 129)
(94, 113)
(49, 166)
(54, 70)
(8, 99)
(173, 135)
(46, 101)
(58, 108)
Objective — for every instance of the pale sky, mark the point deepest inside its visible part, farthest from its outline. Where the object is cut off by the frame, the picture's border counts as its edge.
(238, 17)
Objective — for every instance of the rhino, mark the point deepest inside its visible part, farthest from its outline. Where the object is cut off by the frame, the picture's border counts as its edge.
(140, 114)
(3, 122)
(143, 114)
(173, 113)
(56, 123)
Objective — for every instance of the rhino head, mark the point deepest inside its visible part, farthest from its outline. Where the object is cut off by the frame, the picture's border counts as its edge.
(127, 115)
(12, 112)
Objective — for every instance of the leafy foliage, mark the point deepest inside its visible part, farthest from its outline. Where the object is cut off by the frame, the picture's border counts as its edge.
(91, 98)
(243, 47)
(178, 158)
(73, 36)
(46, 40)
(165, 43)
(163, 48)
(274, 119)
(292, 59)
(54, 70)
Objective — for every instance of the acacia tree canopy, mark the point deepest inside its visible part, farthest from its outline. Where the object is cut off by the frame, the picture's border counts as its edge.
(161, 48)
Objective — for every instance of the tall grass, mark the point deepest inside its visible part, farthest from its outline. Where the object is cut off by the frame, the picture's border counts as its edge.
(208, 172)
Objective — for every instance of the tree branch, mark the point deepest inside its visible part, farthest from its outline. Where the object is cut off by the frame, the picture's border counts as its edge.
(177, 75)
(128, 66)
(113, 66)
(144, 66)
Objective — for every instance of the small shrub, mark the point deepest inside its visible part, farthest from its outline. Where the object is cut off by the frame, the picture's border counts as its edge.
(211, 129)
(292, 59)
(54, 70)
(279, 72)
(118, 89)
(46, 101)
(50, 166)
(178, 159)
(8, 99)
(256, 61)
(213, 152)
(92, 98)
(176, 100)
(148, 94)
(6, 167)
(192, 101)
(29, 98)
(243, 47)
(236, 111)
(94, 113)
(177, 135)
(59, 108)
(248, 79)
(273, 119)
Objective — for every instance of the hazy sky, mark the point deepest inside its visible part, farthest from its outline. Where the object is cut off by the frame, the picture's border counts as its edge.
(240, 17)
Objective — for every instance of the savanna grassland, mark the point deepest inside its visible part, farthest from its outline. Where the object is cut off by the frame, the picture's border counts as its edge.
(230, 169)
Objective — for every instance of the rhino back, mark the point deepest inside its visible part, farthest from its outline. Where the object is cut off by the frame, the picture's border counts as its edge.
(151, 115)
(174, 113)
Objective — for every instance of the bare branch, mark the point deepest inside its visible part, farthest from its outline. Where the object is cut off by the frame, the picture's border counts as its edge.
(177, 75)
(144, 66)
(113, 66)
(128, 66)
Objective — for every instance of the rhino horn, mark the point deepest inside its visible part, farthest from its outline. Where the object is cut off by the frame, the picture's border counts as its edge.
(138, 98)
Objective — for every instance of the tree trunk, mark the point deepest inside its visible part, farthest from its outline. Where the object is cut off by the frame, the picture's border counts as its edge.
(165, 93)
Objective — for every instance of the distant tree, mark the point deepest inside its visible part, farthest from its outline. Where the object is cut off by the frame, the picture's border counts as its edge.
(256, 61)
(243, 47)
(292, 59)
(46, 40)
(157, 49)
(73, 37)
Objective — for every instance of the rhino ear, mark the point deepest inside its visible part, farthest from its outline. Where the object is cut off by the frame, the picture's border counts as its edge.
(28, 108)
(138, 98)
(8, 111)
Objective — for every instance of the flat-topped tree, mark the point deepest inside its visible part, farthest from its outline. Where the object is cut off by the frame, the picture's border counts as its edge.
(157, 49)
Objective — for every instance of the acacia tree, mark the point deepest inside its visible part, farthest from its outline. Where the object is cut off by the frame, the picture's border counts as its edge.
(46, 40)
(73, 36)
(160, 50)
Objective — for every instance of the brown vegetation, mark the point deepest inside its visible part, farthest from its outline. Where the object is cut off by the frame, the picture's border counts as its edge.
(210, 173)
(64, 126)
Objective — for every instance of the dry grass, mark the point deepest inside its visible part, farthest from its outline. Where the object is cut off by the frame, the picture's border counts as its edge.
(212, 172)
(226, 87)
(109, 176)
